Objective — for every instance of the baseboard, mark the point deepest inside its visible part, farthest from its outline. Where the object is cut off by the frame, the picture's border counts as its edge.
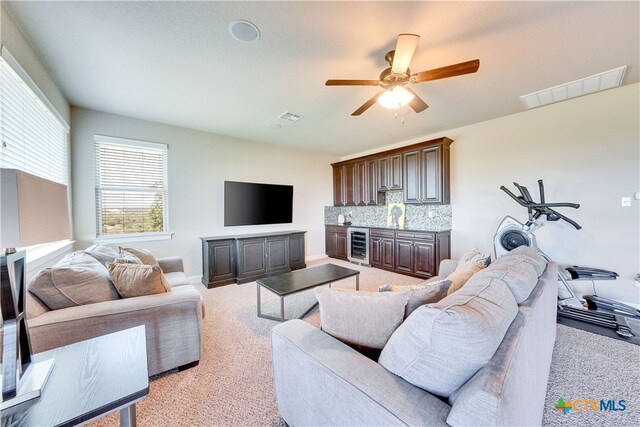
(315, 257)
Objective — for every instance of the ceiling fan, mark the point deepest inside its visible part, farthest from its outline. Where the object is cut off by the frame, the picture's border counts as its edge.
(395, 78)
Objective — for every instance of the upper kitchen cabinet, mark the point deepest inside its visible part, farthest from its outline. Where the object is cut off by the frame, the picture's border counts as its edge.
(420, 170)
(426, 174)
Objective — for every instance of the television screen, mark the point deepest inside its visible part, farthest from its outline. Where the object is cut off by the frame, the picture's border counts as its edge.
(247, 203)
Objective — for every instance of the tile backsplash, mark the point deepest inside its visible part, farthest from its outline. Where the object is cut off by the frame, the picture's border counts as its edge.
(417, 217)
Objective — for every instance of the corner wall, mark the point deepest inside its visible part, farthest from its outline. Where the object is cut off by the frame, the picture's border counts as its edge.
(199, 163)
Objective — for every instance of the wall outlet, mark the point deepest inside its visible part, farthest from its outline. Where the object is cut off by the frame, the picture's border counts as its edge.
(638, 195)
(626, 201)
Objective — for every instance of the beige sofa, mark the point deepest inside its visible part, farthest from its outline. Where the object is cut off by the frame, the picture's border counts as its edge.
(173, 321)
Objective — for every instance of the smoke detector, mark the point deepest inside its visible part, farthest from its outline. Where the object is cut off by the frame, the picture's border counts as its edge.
(244, 31)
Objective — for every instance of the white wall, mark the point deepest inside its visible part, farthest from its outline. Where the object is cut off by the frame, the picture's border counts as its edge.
(199, 163)
(18, 45)
(587, 151)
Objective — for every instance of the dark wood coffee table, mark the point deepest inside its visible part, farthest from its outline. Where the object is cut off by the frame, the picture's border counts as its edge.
(301, 280)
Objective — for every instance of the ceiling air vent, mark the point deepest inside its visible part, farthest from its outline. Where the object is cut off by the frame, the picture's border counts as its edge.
(591, 84)
(290, 117)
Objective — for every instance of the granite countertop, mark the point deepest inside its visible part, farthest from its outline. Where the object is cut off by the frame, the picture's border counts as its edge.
(410, 228)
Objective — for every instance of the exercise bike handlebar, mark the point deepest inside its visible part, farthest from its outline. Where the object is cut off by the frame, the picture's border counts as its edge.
(542, 208)
(526, 204)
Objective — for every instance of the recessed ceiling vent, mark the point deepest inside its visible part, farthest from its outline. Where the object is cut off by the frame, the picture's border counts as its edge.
(290, 117)
(596, 83)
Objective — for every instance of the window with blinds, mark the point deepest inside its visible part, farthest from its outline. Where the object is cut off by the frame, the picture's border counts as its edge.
(131, 187)
(33, 139)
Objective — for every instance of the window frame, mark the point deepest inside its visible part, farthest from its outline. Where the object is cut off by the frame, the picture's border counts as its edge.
(39, 255)
(131, 237)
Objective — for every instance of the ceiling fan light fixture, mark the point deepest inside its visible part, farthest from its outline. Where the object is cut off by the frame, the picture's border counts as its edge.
(396, 98)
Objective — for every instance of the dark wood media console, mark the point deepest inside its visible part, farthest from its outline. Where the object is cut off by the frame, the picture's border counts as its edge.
(245, 258)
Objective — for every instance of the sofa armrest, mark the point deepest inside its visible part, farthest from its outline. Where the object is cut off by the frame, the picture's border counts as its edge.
(172, 320)
(447, 266)
(171, 264)
(321, 381)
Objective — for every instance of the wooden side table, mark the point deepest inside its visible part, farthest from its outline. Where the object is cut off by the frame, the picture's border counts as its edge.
(90, 379)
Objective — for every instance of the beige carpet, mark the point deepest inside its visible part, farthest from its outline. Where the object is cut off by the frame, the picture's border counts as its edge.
(232, 385)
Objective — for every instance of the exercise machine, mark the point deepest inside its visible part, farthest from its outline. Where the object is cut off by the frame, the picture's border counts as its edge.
(605, 312)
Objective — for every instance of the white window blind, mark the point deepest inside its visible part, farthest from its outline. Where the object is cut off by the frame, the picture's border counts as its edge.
(131, 187)
(33, 140)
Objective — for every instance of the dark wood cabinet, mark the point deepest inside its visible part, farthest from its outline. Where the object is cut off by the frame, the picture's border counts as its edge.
(350, 185)
(218, 261)
(245, 258)
(336, 242)
(381, 254)
(421, 170)
(416, 253)
(296, 251)
(356, 183)
(426, 174)
(339, 181)
(390, 172)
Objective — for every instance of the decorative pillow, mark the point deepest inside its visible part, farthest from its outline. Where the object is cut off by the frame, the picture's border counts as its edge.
(361, 318)
(127, 259)
(103, 253)
(474, 260)
(458, 278)
(440, 346)
(145, 256)
(76, 279)
(134, 280)
(468, 264)
(421, 294)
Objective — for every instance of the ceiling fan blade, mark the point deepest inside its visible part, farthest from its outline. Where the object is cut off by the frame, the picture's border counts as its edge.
(448, 71)
(367, 104)
(417, 104)
(405, 47)
(352, 83)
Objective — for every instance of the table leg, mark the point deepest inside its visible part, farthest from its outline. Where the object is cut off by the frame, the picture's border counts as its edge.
(282, 309)
(358, 282)
(128, 416)
(258, 299)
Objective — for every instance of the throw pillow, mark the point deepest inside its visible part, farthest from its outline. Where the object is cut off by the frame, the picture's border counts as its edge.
(77, 279)
(360, 318)
(440, 346)
(420, 294)
(134, 280)
(468, 264)
(145, 256)
(101, 252)
(474, 260)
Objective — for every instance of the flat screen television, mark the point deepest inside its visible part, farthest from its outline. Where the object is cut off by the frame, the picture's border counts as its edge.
(248, 203)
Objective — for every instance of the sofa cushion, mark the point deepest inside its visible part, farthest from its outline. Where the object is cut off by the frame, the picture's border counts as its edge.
(420, 294)
(145, 256)
(440, 346)
(360, 318)
(103, 253)
(176, 278)
(76, 279)
(519, 275)
(134, 280)
(525, 253)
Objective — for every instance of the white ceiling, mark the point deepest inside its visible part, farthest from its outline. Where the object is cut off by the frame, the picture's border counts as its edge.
(175, 62)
